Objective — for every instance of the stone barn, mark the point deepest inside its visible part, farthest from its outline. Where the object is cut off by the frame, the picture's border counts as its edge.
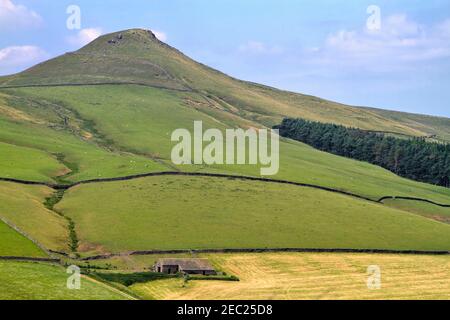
(189, 266)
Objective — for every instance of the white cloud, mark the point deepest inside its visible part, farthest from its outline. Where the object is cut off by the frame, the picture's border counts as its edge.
(84, 36)
(13, 16)
(256, 47)
(15, 58)
(162, 36)
(399, 41)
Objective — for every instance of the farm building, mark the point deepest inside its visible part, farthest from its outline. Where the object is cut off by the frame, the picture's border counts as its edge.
(189, 266)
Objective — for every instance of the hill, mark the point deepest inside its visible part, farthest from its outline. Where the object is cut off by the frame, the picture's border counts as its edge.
(108, 110)
(136, 56)
(128, 128)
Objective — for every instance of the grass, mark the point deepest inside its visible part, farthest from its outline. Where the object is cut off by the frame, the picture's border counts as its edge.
(421, 208)
(38, 281)
(128, 263)
(28, 164)
(195, 212)
(146, 125)
(14, 244)
(137, 58)
(24, 207)
(41, 134)
(295, 276)
(92, 161)
(301, 163)
(73, 133)
(133, 119)
(105, 131)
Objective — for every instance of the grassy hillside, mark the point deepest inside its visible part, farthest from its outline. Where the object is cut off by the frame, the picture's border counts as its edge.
(194, 212)
(38, 281)
(422, 208)
(81, 158)
(145, 125)
(81, 131)
(136, 56)
(13, 243)
(313, 277)
(28, 164)
(104, 131)
(23, 207)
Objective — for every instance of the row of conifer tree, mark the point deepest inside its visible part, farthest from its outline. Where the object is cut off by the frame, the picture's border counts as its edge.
(413, 158)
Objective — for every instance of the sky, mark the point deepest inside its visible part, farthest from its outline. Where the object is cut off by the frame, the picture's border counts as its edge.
(391, 54)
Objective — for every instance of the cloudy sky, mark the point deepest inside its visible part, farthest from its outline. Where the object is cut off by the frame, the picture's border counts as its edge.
(337, 50)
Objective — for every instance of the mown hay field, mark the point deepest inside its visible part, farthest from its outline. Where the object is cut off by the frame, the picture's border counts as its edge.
(312, 276)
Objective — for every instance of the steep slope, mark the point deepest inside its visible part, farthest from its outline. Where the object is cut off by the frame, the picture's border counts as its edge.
(139, 120)
(137, 56)
(23, 207)
(14, 244)
(108, 110)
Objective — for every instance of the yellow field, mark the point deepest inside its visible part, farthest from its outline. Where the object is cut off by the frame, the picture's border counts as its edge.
(313, 276)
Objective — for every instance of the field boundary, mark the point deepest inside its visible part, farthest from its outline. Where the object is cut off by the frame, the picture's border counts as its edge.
(92, 84)
(24, 234)
(413, 199)
(214, 175)
(218, 175)
(178, 173)
(262, 250)
(29, 259)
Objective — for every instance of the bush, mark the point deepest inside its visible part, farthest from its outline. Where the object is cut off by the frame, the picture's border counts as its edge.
(217, 277)
(128, 279)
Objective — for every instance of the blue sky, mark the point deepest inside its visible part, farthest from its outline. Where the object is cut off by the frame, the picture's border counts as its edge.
(320, 47)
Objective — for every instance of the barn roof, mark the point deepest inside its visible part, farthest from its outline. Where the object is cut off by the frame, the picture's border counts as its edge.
(187, 264)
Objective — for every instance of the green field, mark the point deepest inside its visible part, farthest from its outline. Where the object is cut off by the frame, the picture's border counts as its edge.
(23, 207)
(28, 164)
(42, 135)
(115, 130)
(312, 276)
(112, 115)
(38, 281)
(160, 112)
(422, 208)
(14, 244)
(198, 212)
